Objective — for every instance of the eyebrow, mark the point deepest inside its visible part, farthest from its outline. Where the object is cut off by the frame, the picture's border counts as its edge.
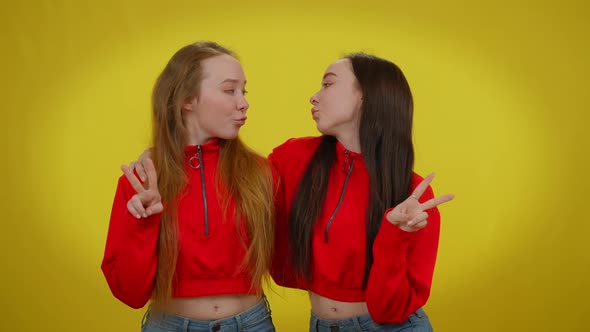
(328, 74)
(232, 80)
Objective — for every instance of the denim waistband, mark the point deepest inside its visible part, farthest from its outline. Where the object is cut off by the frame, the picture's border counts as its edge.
(359, 323)
(169, 321)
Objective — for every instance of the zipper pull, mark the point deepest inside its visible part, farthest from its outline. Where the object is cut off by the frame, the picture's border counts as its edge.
(347, 166)
(195, 161)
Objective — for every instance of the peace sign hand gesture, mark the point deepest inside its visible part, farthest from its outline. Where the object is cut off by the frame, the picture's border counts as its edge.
(410, 214)
(145, 202)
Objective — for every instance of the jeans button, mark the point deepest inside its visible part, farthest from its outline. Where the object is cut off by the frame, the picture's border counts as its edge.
(334, 328)
(216, 327)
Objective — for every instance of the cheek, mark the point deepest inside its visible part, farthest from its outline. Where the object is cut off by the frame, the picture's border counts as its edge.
(351, 103)
(328, 101)
(223, 107)
(218, 109)
(219, 120)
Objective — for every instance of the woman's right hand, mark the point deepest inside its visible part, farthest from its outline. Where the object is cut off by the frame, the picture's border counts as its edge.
(145, 202)
(138, 166)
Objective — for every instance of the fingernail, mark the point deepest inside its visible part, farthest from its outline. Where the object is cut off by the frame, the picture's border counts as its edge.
(145, 215)
(137, 216)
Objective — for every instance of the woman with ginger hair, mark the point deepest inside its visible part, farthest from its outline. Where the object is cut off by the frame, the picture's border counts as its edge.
(196, 237)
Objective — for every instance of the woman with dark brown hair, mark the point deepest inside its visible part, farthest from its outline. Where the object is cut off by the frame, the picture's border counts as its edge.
(356, 227)
(196, 237)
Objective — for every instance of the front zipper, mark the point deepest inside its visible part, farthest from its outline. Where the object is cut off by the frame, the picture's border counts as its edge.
(348, 171)
(200, 167)
(204, 189)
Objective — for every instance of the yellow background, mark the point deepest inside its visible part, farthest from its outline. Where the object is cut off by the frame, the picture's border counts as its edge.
(501, 96)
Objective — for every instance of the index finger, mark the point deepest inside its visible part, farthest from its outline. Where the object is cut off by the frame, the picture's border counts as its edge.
(437, 201)
(132, 179)
(150, 171)
(421, 188)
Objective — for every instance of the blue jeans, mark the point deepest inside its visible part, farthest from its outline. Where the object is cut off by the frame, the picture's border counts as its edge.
(417, 322)
(255, 319)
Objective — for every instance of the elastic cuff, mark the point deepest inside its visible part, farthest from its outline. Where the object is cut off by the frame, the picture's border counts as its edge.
(392, 234)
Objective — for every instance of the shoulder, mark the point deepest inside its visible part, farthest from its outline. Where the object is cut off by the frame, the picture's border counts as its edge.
(300, 143)
(296, 147)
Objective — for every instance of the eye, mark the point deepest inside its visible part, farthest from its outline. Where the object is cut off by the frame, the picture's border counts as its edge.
(229, 91)
(326, 84)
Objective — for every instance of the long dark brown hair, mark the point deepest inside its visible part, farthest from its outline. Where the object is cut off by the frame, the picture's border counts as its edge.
(385, 134)
(246, 176)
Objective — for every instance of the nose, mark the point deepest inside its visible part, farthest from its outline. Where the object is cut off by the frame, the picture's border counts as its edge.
(243, 105)
(314, 99)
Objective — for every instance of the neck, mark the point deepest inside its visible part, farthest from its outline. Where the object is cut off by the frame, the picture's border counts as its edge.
(195, 140)
(196, 136)
(350, 140)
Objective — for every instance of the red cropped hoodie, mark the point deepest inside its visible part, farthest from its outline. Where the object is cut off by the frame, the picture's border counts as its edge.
(401, 275)
(210, 251)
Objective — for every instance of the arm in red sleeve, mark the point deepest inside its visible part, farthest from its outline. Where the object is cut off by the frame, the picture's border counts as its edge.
(402, 270)
(281, 271)
(130, 259)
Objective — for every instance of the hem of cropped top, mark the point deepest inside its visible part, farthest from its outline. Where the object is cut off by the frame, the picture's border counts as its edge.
(217, 286)
(338, 292)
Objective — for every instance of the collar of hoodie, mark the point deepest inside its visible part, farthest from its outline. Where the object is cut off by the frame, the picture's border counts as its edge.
(208, 150)
(344, 157)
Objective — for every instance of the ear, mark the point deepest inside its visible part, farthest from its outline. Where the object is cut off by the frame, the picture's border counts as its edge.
(190, 104)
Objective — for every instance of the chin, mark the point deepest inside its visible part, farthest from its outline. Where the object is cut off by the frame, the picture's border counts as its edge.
(319, 127)
(228, 136)
(323, 130)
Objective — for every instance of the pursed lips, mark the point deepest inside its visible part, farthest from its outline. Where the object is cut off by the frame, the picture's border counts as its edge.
(241, 120)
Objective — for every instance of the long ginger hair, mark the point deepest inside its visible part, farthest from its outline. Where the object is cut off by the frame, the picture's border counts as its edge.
(245, 176)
